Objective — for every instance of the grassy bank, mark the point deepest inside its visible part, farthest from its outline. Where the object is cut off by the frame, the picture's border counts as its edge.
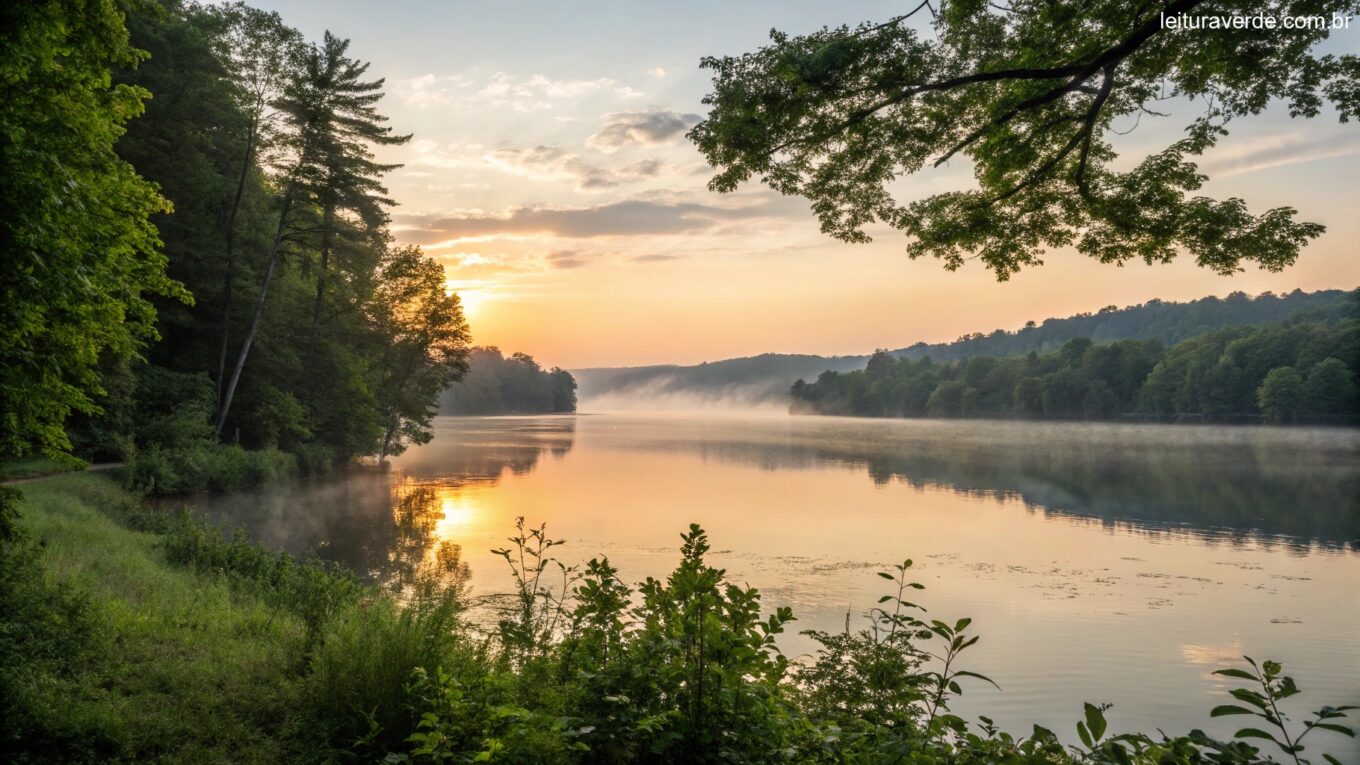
(36, 466)
(128, 635)
(172, 664)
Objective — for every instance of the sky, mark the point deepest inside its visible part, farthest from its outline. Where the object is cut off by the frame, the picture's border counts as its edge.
(550, 175)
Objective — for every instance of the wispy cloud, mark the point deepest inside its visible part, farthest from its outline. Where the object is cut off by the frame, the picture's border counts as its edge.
(566, 259)
(641, 129)
(547, 162)
(540, 163)
(616, 219)
(533, 93)
(1277, 150)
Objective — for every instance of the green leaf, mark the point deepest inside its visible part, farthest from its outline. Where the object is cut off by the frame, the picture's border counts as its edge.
(1095, 721)
(1238, 673)
(1255, 733)
(1251, 697)
(1224, 710)
(1343, 730)
(984, 678)
(1084, 735)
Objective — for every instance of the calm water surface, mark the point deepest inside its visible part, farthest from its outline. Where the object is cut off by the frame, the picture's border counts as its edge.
(1098, 562)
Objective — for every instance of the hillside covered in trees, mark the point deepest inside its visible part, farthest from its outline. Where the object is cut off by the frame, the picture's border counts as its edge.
(1166, 322)
(199, 275)
(1301, 368)
(766, 378)
(495, 384)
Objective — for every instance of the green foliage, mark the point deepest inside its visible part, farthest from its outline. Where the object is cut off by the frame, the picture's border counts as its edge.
(495, 384)
(1230, 372)
(48, 630)
(1029, 94)
(81, 254)
(205, 467)
(229, 652)
(1281, 394)
(1330, 387)
(766, 377)
(263, 145)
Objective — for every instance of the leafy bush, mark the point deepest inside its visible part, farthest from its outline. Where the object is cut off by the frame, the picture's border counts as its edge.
(206, 467)
(686, 670)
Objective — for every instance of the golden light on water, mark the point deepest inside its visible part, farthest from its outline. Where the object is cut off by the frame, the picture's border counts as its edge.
(461, 514)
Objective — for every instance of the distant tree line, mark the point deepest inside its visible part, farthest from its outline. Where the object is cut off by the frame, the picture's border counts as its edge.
(767, 377)
(197, 243)
(495, 384)
(1166, 322)
(1282, 371)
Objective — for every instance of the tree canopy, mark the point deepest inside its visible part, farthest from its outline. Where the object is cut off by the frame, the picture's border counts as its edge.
(1032, 94)
(81, 255)
(1300, 367)
(238, 216)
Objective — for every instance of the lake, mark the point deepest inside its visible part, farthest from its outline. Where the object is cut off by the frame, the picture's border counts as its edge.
(1103, 563)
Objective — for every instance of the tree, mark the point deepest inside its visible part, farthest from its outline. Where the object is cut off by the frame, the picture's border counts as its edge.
(1281, 395)
(426, 338)
(81, 255)
(349, 178)
(564, 390)
(1028, 396)
(1330, 389)
(330, 120)
(1030, 93)
(260, 52)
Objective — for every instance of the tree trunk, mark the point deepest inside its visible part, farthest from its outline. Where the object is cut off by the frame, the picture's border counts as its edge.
(231, 254)
(259, 311)
(327, 221)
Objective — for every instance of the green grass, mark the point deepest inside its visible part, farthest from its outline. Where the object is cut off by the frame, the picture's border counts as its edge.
(187, 669)
(36, 466)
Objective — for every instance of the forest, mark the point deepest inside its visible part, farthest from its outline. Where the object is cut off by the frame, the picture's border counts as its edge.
(202, 280)
(494, 384)
(1301, 369)
(766, 378)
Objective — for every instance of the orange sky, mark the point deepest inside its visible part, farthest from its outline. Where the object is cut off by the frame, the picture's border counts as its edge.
(550, 176)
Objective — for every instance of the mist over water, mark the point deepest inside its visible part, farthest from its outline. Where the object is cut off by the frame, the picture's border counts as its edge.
(665, 394)
(1119, 563)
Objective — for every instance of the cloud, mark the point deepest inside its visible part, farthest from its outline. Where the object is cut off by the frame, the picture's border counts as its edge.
(627, 218)
(657, 72)
(547, 162)
(502, 90)
(429, 91)
(566, 259)
(641, 129)
(654, 258)
(475, 266)
(1278, 150)
(539, 163)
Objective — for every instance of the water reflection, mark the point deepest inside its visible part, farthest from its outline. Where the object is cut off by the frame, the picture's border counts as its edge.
(397, 527)
(1161, 550)
(1296, 487)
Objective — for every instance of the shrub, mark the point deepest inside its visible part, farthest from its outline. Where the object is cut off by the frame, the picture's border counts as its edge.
(158, 470)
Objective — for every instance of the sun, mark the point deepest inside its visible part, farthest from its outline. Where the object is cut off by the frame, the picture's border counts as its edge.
(471, 299)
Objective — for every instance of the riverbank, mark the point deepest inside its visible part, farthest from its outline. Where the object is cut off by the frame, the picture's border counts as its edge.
(140, 659)
(147, 636)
